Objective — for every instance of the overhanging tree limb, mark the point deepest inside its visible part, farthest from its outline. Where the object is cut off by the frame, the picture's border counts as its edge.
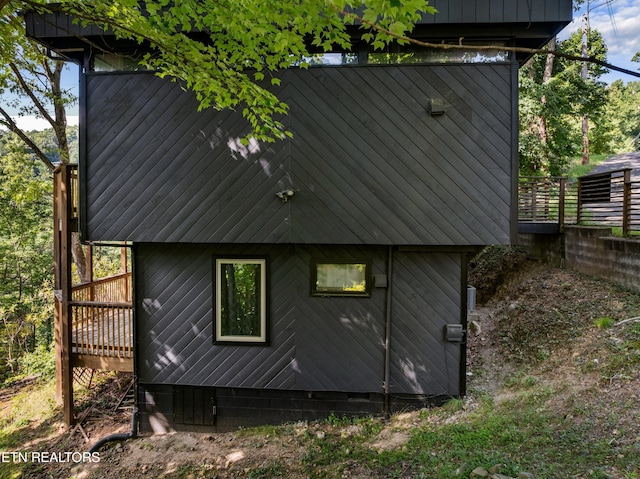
(461, 46)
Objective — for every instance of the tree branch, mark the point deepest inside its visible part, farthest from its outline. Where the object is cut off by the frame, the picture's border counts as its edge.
(27, 89)
(13, 127)
(462, 46)
(630, 320)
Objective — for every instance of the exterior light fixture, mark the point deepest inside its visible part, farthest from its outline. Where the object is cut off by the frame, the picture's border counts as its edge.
(436, 106)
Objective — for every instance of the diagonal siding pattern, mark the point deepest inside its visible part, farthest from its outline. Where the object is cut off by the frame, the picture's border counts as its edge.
(320, 344)
(368, 164)
(389, 172)
(426, 297)
(175, 324)
(160, 171)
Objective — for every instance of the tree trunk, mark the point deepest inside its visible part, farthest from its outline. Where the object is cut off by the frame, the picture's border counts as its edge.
(80, 259)
(542, 121)
(60, 123)
(548, 67)
(538, 123)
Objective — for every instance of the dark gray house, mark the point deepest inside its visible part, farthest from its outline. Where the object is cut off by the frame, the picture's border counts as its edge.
(319, 274)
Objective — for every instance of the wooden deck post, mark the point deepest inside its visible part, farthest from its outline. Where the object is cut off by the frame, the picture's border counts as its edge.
(124, 268)
(62, 258)
(88, 259)
(579, 210)
(57, 287)
(561, 199)
(626, 203)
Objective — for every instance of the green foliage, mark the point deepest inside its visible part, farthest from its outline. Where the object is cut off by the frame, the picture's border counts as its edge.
(107, 261)
(40, 362)
(25, 254)
(551, 108)
(30, 85)
(538, 156)
(624, 114)
(229, 55)
(604, 322)
(240, 310)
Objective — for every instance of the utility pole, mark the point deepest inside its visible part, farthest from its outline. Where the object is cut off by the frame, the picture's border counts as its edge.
(585, 76)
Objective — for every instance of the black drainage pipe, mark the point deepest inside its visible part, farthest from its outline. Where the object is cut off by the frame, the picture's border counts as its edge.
(118, 437)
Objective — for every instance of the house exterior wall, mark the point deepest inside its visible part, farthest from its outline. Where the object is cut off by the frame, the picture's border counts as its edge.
(316, 343)
(426, 297)
(372, 172)
(320, 348)
(368, 164)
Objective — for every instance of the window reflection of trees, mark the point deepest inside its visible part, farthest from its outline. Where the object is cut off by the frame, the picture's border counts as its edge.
(395, 54)
(240, 299)
(341, 277)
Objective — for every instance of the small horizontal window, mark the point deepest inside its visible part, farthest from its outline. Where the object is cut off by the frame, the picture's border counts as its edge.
(340, 278)
(111, 62)
(398, 54)
(241, 300)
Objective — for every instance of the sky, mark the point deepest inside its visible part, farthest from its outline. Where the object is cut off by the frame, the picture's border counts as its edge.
(617, 20)
(619, 23)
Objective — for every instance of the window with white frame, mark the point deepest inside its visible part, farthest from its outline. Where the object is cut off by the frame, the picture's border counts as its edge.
(240, 300)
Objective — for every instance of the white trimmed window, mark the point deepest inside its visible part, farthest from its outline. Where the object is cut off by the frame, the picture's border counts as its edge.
(241, 300)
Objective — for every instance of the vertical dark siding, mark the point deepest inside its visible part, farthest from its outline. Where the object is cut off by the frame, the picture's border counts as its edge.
(57, 25)
(368, 164)
(499, 11)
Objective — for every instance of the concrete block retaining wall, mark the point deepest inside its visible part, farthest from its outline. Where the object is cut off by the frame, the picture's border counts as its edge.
(544, 247)
(594, 251)
(590, 250)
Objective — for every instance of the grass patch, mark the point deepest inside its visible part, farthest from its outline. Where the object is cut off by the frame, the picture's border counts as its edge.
(604, 322)
(577, 169)
(624, 349)
(28, 414)
(275, 470)
(520, 434)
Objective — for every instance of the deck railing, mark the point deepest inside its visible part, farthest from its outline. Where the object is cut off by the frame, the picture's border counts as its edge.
(101, 317)
(607, 199)
(548, 199)
(112, 288)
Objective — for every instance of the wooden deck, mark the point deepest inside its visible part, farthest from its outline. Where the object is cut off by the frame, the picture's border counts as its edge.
(93, 320)
(102, 324)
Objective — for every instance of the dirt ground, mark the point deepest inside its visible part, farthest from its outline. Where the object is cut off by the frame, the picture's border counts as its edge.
(530, 315)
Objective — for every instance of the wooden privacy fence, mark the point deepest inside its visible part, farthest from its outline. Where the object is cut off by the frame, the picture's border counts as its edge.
(607, 199)
(610, 199)
(101, 317)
